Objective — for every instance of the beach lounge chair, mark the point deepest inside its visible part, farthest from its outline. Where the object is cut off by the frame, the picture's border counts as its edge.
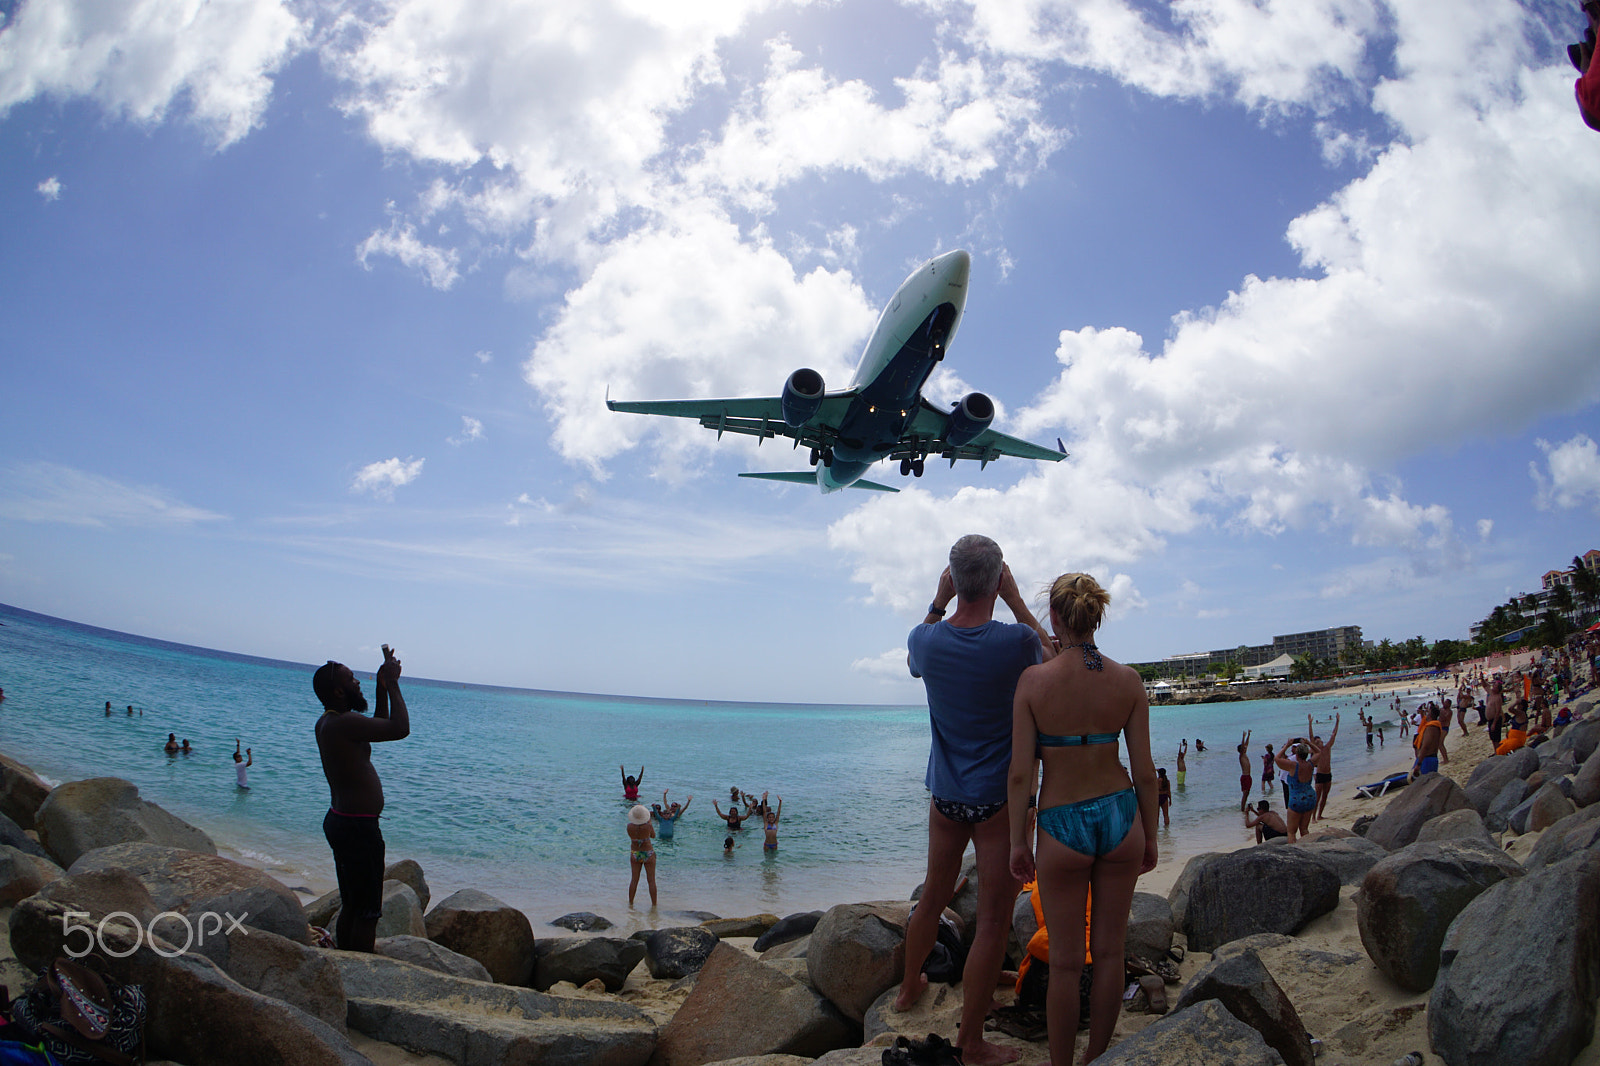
(1379, 788)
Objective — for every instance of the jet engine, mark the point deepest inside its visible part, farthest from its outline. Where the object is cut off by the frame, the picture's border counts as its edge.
(970, 418)
(802, 395)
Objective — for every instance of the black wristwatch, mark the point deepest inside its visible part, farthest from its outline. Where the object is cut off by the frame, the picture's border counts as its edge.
(934, 608)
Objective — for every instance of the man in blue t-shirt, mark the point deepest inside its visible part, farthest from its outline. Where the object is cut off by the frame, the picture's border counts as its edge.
(969, 664)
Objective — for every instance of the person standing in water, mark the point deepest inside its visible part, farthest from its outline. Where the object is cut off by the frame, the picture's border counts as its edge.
(1322, 778)
(1244, 770)
(769, 823)
(344, 741)
(241, 764)
(1183, 749)
(641, 852)
(630, 785)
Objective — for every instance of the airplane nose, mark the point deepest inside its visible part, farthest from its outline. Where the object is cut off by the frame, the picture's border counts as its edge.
(954, 267)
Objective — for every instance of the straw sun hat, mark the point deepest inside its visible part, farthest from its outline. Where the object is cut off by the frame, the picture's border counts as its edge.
(638, 816)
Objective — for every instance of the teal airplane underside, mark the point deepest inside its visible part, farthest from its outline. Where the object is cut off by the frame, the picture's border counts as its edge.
(882, 415)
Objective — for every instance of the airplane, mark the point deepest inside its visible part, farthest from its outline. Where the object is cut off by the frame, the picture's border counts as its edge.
(882, 415)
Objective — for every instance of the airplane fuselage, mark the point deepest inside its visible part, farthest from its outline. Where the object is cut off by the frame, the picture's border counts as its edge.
(911, 336)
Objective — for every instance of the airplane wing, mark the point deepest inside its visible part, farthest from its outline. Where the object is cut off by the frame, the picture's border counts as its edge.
(927, 431)
(757, 416)
(809, 477)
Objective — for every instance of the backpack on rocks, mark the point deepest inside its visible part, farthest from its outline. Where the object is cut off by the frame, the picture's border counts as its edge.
(82, 1017)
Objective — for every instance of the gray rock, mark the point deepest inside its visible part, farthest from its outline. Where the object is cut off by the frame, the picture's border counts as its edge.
(21, 793)
(583, 959)
(1256, 890)
(1149, 926)
(80, 816)
(1490, 777)
(474, 1023)
(1241, 983)
(1497, 818)
(753, 926)
(790, 949)
(1348, 858)
(211, 894)
(1178, 895)
(1514, 988)
(1581, 739)
(1548, 806)
(1024, 924)
(297, 974)
(22, 874)
(679, 952)
(1205, 1034)
(1408, 901)
(420, 951)
(401, 914)
(766, 1060)
(582, 922)
(409, 871)
(1425, 798)
(857, 952)
(1465, 824)
(851, 1056)
(197, 1013)
(12, 835)
(477, 925)
(1572, 834)
(740, 1006)
(790, 927)
(324, 909)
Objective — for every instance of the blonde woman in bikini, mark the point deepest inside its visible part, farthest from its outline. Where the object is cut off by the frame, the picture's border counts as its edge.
(641, 852)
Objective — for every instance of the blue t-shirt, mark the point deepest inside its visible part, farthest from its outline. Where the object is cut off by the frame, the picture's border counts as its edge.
(971, 677)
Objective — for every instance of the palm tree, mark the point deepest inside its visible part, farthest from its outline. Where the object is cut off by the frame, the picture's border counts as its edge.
(1585, 585)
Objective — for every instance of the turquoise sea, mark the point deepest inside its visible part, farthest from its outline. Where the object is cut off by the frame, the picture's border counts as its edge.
(517, 792)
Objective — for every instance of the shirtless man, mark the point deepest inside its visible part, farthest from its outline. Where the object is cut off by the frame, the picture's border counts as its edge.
(1494, 699)
(1183, 749)
(1430, 747)
(344, 739)
(1244, 770)
(1445, 713)
(1267, 823)
(1323, 765)
(1463, 701)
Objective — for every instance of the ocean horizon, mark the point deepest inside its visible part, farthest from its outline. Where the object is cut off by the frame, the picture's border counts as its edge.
(517, 792)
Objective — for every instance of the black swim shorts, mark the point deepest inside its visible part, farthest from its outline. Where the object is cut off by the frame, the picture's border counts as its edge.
(357, 845)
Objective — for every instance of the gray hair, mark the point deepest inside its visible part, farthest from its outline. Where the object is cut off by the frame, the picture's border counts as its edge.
(975, 565)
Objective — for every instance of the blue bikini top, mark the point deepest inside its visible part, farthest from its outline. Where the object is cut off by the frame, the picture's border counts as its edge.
(1050, 740)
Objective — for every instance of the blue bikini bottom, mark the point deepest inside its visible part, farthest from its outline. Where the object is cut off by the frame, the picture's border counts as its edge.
(1092, 826)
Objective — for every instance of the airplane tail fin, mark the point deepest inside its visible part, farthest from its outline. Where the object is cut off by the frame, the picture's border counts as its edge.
(809, 477)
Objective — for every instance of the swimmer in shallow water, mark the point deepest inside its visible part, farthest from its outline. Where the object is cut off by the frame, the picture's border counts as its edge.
(770, 823)
(641, 852)
(630, 785)
(734, 819)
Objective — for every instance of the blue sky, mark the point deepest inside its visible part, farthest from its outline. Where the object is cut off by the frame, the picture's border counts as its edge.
(311, 308)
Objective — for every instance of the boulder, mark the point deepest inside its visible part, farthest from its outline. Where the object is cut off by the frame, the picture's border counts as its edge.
(582, 922)
(1548, 806)
(477, 925)
(210, 893)
(583, 959)
(1497, 818)
(938, 1011)
(1581, 739)
(1256, 890)
(857, 952)
(197, 1013)
(409, 871)
(789, 949)
(740, 1006)
(1178, 895)
(80, 816)
(1241, 983)
(22, 874)
(964, 902)
(1427, 797)
(1519, 970)
(1491, 776)
(790, 927)
(294, 973)
(1348, 858)
(420, 951)
(12, 835)
(21, 793)
(402, 911)
(324, 909)
(738, 927)
(1205, 1034)
(678, 952)
(1465, 824)
(1576, 832)
(476, 1023)
(1024, 925)
(1408, 901)
(1331, 832)
(1149, 926)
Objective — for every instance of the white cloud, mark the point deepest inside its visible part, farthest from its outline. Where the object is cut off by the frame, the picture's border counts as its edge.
(380, 479)
(471, 430)
(483, 357)
(401, 242)
(889, 666)
(50, 492)
(1574, 474)
(136, 57)
(50, 188)
(1485, 527)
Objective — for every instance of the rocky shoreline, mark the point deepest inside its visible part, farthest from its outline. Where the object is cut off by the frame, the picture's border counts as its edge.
(1457, 919)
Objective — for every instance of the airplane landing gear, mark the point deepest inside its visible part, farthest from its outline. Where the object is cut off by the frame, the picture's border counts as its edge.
(815, 455)
(916, 467)
(827, 457)
(905, 467)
